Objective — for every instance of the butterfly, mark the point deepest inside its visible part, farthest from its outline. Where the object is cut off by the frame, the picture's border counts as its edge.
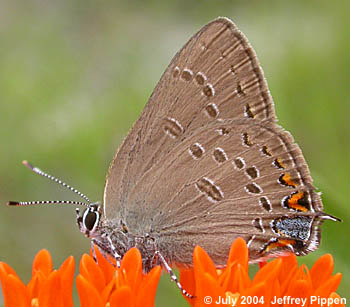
(206, 163)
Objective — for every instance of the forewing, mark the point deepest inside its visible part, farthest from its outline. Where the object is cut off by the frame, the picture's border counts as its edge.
(215, 76)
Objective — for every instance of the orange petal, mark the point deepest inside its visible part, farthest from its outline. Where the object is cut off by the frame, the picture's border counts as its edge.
(239, 253)
(244, 279)
(6, 269)
(259, 291)
(235, 278)
(207, 286)
(287, 272)
(225, 278)
(89, 297)
(14, 291)
(337, 300)
(321, 270)
(302, 273)
(123, 297)
(42, 262)
(203, 263)
(41, 280)
(288, 263)
(148, 288)
(276, 288)
(50, 292)
(107, 268)
(269, 272)
(66, 272)
(107, 291)
(299, 289)
(329, 286)
(187, 281)
(33, 287)
(91, 271)
(132, 266)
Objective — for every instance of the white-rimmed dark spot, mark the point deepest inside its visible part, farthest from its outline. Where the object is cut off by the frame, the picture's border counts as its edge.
(278, 163)
(207, 187)
(246, 139)
(253, 188)
(239, 163)
(265, 150)
(187, 74)
(265, 203)
(176, 72)
(172, 127)
(212, 110)
(219, 155)
(196, 150)
(208, 90)
(200, 78)
(252, 172)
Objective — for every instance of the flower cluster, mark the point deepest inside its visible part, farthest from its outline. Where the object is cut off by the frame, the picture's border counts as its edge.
(46, 288)
(279, 279)
(101, 285)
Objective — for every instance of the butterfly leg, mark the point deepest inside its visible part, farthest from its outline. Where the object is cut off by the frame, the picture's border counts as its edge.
(116, 256)
(172, 275)
(93, 247)
(93, 251)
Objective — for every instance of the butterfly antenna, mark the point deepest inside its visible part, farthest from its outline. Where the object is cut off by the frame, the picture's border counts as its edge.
(41, 173)
(42, 202)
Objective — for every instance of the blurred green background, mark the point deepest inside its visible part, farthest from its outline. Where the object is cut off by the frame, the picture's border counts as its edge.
(75, 75)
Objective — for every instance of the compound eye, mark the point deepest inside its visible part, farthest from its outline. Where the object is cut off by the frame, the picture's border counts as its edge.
(90, 219)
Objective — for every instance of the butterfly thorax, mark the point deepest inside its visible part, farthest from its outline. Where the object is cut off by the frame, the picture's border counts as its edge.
(112, 238)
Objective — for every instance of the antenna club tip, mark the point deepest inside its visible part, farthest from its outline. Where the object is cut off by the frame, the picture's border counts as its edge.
(12, 203)
(27, 164)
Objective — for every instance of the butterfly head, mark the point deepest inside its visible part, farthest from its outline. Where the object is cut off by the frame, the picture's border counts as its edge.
(89, 222)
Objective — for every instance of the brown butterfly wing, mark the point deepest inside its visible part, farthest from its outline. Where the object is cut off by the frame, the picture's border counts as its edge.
(216, 75)
(206, 163)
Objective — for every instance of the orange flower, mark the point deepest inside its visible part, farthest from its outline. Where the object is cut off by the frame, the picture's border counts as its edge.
(46, 288)
(281, 280)
(100, 285)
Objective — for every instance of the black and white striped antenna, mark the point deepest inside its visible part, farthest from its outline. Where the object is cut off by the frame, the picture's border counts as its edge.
(40, 202)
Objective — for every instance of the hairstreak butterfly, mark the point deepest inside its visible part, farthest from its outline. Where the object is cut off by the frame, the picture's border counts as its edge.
(205, 163)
